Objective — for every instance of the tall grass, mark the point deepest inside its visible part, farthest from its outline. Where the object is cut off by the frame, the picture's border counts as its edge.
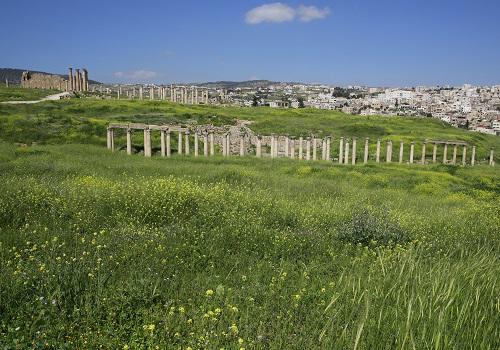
(108, 250)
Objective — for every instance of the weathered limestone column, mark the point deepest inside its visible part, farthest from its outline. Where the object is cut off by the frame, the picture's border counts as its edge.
(129, 141)
(464, 156)
(328, 145)
(258, 146)
(179, 143)
(172, 93)
(151, 93)
(353, 156)
(224, 145)
(272, 145)
(341, 150)
(412, 150)
(147, 142)
(141, 93)
(401, 151)
(423, 152)
(118, 95)
(77, 80)
(346, 158)
(323, 149)
(301, 150)
(292, 147)
(212, 143)
(308, 149)
(205, 144)
(455, 147)
(287, 146)
(445, 153)
(108, 137)
(434, 153)
(228, 140)
(473, 157)
(367, 142)
(196, 95)
(377, 155)
(70, 79)
(314, 147)
(169, 150)
(388, 152)
(187, 143)
(162, 143)
(492, 159)
(196, 144)
(242, 145)
(206, 97)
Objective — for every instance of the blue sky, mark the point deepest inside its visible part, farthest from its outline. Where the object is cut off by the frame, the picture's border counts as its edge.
(369, 42)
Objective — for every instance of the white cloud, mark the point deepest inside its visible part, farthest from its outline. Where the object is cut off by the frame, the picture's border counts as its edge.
(275, 12)
(278, 13)
(310, 13)
(136, 75)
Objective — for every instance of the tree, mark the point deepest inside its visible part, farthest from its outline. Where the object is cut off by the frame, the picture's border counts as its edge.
(301, 102)
(255, 101)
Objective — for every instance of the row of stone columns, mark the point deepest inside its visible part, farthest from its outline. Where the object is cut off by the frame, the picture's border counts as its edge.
(307, 148)
(193, 95)
(79, 81)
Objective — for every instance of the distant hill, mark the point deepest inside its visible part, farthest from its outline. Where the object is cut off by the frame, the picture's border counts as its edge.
(242, 84)
(14, 75)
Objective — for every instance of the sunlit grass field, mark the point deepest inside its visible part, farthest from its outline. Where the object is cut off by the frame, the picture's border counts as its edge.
(105, 250)
(13, 93)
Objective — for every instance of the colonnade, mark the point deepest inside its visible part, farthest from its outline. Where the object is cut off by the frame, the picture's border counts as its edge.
(180, 94)
(306, 148)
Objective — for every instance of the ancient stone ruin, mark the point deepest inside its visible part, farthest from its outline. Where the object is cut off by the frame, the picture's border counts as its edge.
(76, 82)
(241, 141)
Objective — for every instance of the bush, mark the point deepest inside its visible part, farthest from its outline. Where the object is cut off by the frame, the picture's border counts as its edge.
(366, 229)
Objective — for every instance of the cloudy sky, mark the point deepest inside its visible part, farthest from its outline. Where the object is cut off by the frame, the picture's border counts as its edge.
(378, 43)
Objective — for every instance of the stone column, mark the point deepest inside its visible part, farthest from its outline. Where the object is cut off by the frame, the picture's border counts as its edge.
(292, 148)
(70, 79)
(412, 150)
(455, 148)
(118, 95)
(187, 143)
(492, 158)
(109, 137)
(377, 156)
(401, 152)
(196, 144)
(129, 141)
(341, 150)
(258, 146)
(141, 93)
(423, 152)
(242, 145)
(169, 150)
(179, 143)
(212, 143)
(85, 79)
(172, 93)
(445, 153)
(196, 95)
(205, 144)
(323, 149)
(473, 157)
(346, 156)
(314, 147)
(353, 156)
(147, 142)
(287, 146)
(272, 145)
(77, 78)
(464, 156)
(224, 146)
(328, 145)
(162, 143)
(434, 153)
(367, 142)
(228, 140)
(308, 149)
(388, 152)
(301, 151)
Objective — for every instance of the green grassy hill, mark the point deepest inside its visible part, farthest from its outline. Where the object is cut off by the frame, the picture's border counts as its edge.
(20, 94)
(105, 250)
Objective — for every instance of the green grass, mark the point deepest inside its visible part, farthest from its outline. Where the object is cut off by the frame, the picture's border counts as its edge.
(101, 249)
(20, 94)
(105, 250)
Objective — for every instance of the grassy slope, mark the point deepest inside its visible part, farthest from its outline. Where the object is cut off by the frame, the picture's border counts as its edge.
(21, 94)
(85, 121)
(107, 245)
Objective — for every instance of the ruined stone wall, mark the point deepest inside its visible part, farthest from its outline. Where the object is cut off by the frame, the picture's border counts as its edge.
(43, 81)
